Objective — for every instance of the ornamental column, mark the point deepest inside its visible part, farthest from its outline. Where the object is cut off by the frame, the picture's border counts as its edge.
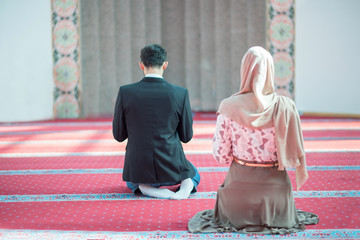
(66, 58)
(280, 43)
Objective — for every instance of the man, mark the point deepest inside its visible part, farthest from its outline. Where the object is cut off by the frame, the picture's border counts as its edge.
(155, 116)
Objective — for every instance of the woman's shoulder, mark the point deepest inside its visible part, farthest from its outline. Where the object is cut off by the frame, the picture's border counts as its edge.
(285, 99)
(286, 103)
(222, 117)
(224, 104)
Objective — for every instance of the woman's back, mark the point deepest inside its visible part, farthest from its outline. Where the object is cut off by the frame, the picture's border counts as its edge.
(247, 144)
(259, 133)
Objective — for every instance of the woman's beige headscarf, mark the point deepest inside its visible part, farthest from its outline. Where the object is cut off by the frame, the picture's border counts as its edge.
(257, 105)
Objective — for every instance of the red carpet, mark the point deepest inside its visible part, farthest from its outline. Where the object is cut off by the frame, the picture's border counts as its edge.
(139, 215)
(204, 160)
(115, 147)
(112, 183)
(63, 178)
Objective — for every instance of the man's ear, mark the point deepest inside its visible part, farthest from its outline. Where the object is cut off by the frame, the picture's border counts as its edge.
(142, 66)
(164, 66)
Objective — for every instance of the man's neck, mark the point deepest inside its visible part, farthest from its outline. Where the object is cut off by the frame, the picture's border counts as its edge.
(153, 75)
(156, 71)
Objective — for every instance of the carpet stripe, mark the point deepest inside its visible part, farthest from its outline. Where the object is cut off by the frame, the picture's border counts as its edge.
(54, 131)
(191, 147)
(210, 131)
(108, 122)
(80, 235)
(56, 142)
(130, 196)
(120, 170)
(26, 130)
(122, 153)
(98, 162)
(329, 138)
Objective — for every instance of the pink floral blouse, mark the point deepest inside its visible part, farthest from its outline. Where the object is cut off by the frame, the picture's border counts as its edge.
(250, 145)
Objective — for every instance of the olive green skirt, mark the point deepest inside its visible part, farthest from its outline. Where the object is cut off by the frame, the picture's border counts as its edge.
(253, 200)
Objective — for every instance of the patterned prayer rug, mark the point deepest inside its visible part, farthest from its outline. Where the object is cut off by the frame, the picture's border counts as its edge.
(62, 180)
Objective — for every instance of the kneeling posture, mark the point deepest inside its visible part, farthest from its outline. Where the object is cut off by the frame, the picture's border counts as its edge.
(259, 134)
(155, 116)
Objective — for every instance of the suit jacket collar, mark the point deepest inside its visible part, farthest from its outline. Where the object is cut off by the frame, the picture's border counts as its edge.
(152, 79)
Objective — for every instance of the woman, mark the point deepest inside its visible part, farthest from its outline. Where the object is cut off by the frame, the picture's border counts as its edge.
(259, 133)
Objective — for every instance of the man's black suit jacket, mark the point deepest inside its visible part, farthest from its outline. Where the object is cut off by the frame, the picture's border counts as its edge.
(155, 116)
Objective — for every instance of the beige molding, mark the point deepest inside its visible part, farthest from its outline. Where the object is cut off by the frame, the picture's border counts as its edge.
(337, 115)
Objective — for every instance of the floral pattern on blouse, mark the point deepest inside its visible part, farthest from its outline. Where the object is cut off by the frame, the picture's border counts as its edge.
(251, 145)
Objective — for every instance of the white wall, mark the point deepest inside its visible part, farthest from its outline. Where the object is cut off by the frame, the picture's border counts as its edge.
(327, 56)
(26, 84)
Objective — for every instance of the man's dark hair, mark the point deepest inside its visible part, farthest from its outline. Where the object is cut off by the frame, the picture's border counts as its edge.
(153, 55)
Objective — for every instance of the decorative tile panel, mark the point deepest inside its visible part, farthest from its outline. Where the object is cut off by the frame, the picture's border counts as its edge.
(66, 33)
(280, 43)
